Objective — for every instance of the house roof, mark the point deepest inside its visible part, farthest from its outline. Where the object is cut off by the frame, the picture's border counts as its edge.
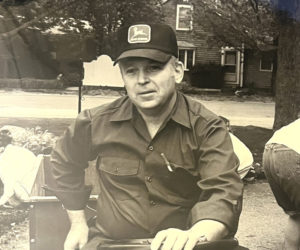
(184, 44)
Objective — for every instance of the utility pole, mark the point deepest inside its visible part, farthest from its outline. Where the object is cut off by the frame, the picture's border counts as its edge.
(79, 96)
(80, 87)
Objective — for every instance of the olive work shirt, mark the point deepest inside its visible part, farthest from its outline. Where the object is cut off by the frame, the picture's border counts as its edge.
(186, 173)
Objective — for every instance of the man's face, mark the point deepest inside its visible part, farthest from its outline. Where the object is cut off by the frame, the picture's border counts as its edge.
(149, 84)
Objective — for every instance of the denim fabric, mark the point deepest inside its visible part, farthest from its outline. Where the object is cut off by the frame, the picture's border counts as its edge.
(282, 169)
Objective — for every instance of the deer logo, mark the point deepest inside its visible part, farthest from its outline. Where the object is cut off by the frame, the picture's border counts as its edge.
(139, 34)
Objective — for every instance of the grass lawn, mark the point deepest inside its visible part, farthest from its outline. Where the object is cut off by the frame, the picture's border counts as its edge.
(254, 138)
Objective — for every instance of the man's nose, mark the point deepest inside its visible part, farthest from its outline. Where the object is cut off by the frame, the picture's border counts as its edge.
(142, 78)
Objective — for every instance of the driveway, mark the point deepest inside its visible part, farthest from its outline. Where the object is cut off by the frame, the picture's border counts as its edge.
(40, 105)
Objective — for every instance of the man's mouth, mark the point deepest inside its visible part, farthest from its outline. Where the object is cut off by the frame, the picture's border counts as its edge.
(147, 92)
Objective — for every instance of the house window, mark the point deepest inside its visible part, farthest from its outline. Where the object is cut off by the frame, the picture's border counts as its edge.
(187, 57)
(266, 63)
(184, 19)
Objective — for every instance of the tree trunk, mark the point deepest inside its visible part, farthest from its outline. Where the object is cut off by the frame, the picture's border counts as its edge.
(287, 97)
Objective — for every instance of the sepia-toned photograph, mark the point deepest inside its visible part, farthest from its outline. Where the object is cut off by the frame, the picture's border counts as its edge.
(150, 124)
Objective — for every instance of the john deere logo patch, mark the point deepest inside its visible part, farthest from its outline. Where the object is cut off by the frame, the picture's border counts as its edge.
(139, 33)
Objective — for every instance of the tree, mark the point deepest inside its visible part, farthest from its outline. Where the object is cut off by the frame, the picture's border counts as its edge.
(287, 99)
(97, 18)
(81, 21)
(261, 25)
(235, 22)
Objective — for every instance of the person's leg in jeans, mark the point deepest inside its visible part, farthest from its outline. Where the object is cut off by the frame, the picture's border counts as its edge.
(292, 233)
(282, 169)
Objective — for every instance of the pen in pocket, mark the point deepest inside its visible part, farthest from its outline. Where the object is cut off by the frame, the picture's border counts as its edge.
(167, 162)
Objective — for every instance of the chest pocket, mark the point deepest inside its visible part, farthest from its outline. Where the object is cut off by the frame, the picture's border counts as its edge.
(119, 178)
(119, 166)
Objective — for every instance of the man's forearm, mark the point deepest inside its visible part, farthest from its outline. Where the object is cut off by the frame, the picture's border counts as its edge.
(211, 229)
(78, 234)
(76, 217)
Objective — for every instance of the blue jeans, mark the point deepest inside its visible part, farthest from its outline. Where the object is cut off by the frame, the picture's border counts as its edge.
(282, 169)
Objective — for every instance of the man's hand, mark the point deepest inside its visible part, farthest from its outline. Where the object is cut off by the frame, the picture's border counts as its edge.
(78, 234)
(176, 239)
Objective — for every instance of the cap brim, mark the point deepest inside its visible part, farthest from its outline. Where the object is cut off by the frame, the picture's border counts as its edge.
(153, 54)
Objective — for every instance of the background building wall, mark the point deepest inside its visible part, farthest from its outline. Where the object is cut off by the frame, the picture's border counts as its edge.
(252, 74)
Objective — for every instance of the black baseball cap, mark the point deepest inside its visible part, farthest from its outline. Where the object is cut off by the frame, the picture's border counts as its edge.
(153, 41)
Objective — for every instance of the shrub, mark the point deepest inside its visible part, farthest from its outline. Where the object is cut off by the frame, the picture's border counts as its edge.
(209, 75)
(31, 83)
(185, 87)
(34, 139)
(71, 79)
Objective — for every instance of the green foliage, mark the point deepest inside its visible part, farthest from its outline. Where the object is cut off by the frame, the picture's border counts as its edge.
(235, 22)
(97, 18)
(209, 75)
(34, 139)
(261, 25)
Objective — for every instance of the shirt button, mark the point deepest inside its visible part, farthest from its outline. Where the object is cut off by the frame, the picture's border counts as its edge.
(149, 179)
(150, 148)
(152, 203)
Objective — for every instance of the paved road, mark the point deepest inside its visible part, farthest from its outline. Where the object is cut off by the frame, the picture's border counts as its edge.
(25, 104)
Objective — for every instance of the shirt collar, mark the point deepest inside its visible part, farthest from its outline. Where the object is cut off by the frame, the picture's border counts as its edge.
(180, 113)
(123, 111)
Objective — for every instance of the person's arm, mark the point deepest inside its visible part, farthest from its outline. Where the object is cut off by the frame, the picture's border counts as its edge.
(215, 216)
(78, 233)
(68, 160)
(221, 188)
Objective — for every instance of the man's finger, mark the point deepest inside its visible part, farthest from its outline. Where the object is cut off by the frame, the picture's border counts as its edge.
(81, 245)
(158, 240)
(180, 241)
(191, 243)
(170, 240)
(70, 248)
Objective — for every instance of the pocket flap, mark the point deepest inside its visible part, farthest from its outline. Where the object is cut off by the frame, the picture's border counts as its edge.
(119, 166)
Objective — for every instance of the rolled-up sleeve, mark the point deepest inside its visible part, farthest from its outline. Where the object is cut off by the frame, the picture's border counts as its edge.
(220, 185)
(69, 159)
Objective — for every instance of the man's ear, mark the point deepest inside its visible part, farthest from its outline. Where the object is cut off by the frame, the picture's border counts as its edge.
(179, 71)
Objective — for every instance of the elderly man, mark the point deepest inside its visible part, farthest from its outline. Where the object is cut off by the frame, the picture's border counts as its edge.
(166, 165)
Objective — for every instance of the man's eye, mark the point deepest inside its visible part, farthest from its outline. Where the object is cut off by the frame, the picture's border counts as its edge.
(130, 71)
(154, 68)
